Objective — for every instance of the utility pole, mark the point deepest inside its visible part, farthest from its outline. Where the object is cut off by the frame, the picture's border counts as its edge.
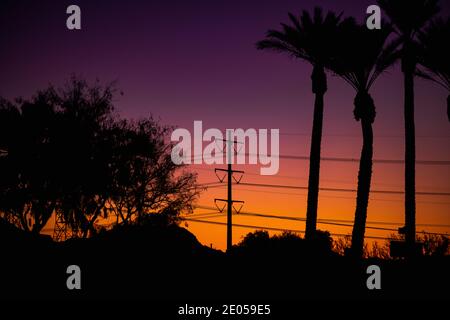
(60, 232)
(229, 201)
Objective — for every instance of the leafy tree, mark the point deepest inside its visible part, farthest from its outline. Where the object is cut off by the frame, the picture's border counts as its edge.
(66, 151)
(145, 178)
(28, 193)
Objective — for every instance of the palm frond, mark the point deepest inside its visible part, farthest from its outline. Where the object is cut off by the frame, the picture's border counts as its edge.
(409, 16)
(387, 57)
(308, 37)
(434, 52)
(427, 76)
(362, 55)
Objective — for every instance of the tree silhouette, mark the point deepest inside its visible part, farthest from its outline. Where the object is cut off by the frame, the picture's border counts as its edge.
(360, 60)
(28, 193)
(408, 18)
(144, 179)
(435, 54)
(68, 152)
(84, 176)
(313, 39)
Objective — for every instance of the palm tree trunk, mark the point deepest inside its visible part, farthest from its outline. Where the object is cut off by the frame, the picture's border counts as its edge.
(319, 87)
(367, 113)
(362, 198)
(410, 159)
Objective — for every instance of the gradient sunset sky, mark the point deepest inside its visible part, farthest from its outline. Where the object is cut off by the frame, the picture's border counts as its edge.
(196, 60)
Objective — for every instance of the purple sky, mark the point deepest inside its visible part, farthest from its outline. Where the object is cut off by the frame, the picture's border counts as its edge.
(178, 59)
(196, 60)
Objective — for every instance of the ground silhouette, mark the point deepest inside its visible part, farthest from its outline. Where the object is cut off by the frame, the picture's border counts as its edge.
(162, 261)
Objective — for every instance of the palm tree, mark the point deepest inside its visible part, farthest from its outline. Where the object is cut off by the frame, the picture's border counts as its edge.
(361, 58)
(312, 39)
(408, 18)
(435, 55)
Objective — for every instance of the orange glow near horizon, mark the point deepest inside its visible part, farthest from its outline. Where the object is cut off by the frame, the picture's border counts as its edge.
(332, 205)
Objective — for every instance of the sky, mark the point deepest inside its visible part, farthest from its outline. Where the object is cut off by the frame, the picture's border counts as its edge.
(196, 60)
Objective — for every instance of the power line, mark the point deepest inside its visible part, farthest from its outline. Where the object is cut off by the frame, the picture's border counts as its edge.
(208, 184)
(319, 222)
(304, 219)
(266, 185)
(308, 134)
(342, 159)
(219, 185)
(423, 193)
(212, 214)
(275, 229)
(384, 161)
(359, 136)
(336, 222)
(325, 180)
(338, 197)
(393, 223)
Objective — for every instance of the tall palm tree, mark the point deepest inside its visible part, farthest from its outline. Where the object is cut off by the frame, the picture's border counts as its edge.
(435, 54)
(361, 58)
(408, 18)
(312, 39)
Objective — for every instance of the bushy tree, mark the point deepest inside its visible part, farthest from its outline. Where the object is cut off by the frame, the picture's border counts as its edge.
(67, 151)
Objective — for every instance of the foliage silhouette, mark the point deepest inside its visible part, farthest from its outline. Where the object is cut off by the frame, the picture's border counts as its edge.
(260, 244)
(311, 38)
(434, 54)
(27, 188)
(409, 17)
(360, 59)
(68, 152)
